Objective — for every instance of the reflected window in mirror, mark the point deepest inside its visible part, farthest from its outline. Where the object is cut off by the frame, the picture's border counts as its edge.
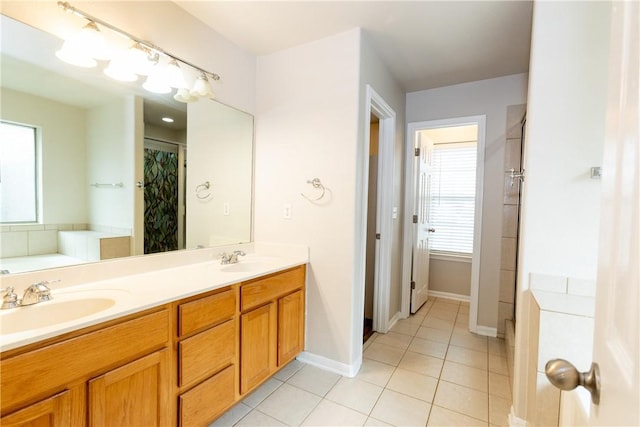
(18, 173)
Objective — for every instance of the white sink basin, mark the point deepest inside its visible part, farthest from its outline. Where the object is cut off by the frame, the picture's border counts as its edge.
(64, 307)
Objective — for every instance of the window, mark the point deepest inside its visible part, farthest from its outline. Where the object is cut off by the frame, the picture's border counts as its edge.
(18, 173)
(453, 191)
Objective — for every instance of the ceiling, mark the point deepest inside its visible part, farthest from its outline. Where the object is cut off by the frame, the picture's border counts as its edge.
(425, 44)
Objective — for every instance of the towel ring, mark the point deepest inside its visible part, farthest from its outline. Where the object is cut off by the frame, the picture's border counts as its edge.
(203, 187)
(315, 182)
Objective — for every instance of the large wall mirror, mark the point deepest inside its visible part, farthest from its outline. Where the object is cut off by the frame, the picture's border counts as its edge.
(100, 174)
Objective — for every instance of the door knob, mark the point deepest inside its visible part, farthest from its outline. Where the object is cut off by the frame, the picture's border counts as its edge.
(565, 376)
(431, 230)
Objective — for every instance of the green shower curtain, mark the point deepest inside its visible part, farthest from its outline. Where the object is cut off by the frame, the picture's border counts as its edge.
(160, 201)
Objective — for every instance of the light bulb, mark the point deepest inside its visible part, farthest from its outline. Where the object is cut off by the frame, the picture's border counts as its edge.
(184, 95)
(157, 82)
(174, 75)
(120, 69)
(201, 87)
(84, 47)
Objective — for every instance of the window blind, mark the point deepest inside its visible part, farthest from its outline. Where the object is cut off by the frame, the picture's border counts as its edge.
(453, 190)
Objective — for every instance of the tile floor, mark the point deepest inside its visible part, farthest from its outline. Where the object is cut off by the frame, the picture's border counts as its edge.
(427, 371)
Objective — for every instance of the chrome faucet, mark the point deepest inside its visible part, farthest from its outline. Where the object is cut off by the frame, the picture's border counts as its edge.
(230, 258)
(38, 292)
(10, 298)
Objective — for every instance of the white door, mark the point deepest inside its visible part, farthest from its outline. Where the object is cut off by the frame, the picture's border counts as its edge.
(420, 272)
(617, 332)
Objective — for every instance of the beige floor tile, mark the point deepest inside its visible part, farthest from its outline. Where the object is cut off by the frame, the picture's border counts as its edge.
(421, 364)
(464, 308)
(384, 353)
(290, 369)
(442, 417)
(315, 380)
(355, 394)
(467, 376)
(416, 318)
(289, 404)
(434, 334)
(430, 348)
(499, 385)
(435, 323)
(497, 347)
(375, 372)
(400, 410)
(498, 364)
(328, 413)
(462, 319)
(468, 340)
(256, 418)
(464, 400)
(368, 342)
(394, 339)
(232, 416)
(464, 356)
(444, 314)
(404, 327)
(499, 410)
(262, 392)
(372, 422)
(413, 384)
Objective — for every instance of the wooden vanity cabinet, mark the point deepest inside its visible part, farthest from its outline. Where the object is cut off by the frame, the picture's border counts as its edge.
(111, 374)
(207, 356)
(52, 412)
(271, 326)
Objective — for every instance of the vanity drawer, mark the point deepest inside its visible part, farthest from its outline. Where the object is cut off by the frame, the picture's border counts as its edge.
(206, 311)
(200, 405)
(263, 290)
(207, 352)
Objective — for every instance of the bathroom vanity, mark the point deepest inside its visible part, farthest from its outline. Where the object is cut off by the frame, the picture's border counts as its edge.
(181, 362)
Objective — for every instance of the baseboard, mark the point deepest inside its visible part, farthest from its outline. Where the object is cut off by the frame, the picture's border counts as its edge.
(330, 364)
(515, 421)
(449, 295)
(486, 331)
(393, 320)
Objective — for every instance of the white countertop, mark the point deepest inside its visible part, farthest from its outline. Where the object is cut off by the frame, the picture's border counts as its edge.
(133, 293)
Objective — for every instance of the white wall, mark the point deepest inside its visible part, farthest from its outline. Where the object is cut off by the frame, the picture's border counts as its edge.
(307, 127)
(491, 98)
(111, 141)
(565, 132)
(62, 130)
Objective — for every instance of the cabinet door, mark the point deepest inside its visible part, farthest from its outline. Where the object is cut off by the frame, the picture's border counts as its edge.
(290, 326)
(52, 412)
(258, 341)
(135, 394)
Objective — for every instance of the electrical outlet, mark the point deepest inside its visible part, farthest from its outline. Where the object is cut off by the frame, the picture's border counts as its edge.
(286, 213)
(225, 208)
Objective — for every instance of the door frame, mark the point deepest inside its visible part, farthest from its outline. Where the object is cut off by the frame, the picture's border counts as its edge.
(412, 128)
(375, 104)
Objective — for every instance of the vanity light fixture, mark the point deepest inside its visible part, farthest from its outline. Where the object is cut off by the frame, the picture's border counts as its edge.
(202, 87)
(141, 59)
(84, 48)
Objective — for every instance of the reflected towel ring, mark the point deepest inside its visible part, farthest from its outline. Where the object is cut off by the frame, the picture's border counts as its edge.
(203, 187)
(316, 184)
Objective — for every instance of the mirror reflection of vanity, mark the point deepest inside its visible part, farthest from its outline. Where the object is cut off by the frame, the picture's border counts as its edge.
(109, 170)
